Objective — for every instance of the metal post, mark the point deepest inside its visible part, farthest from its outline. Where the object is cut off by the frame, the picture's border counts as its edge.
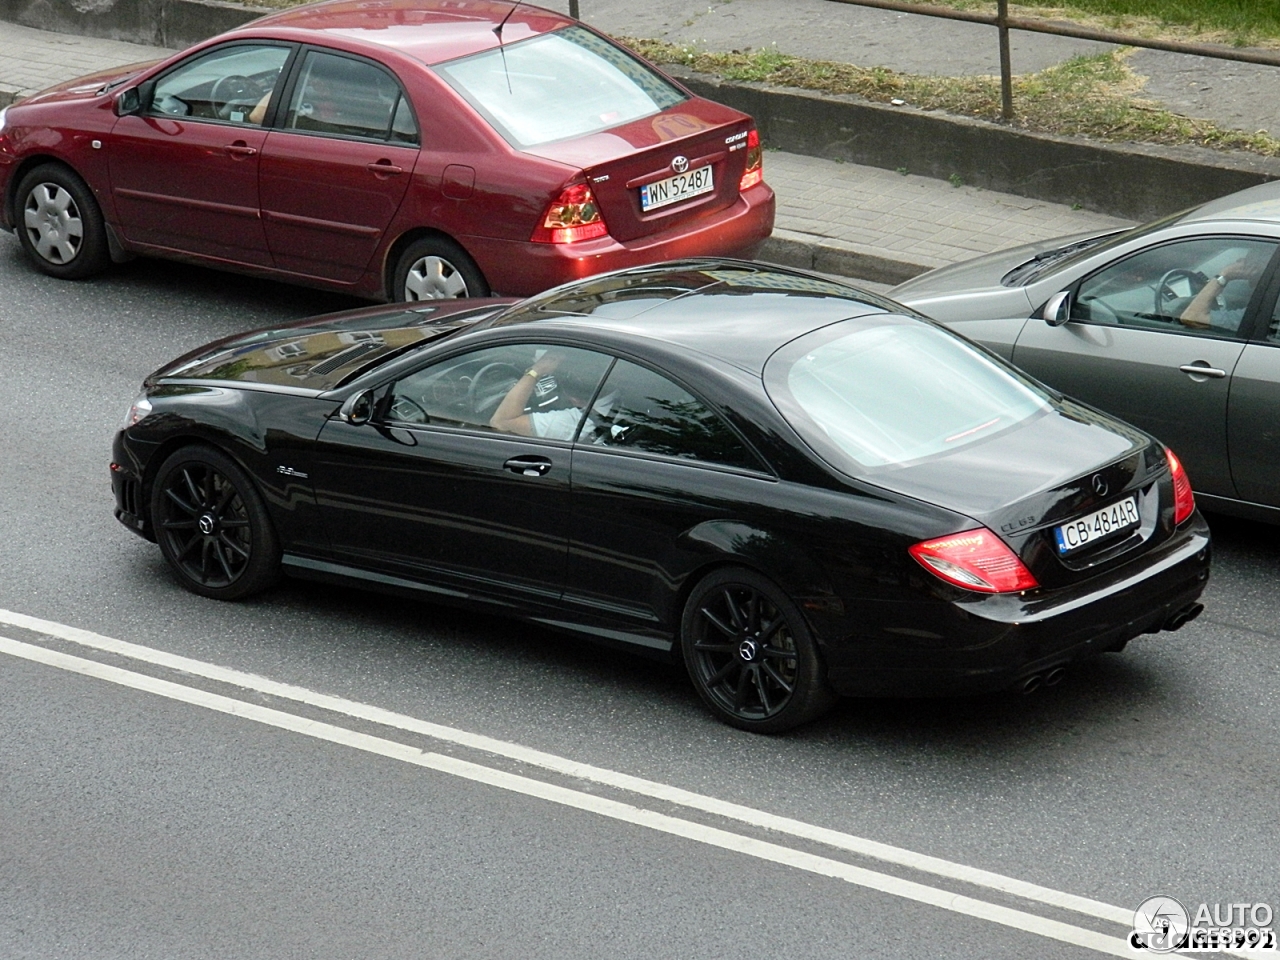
(573, 9)
(1006, 67)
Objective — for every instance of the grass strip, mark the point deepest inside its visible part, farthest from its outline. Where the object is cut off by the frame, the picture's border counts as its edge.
(1089, 96)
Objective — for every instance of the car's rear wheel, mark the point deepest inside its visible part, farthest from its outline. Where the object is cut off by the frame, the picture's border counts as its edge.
(60, 224)
(212, 525)
(750, 653)
(435, 268)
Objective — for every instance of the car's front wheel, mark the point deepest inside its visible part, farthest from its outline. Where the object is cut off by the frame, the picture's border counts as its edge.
(60, 224)
(750, 653)
(212, 525)
(435, 268)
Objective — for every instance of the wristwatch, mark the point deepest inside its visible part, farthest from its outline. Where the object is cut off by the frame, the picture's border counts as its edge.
(533, 372)
(1222, 281)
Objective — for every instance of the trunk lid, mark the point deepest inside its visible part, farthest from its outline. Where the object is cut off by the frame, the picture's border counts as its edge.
(1059, 468)
(678, 142)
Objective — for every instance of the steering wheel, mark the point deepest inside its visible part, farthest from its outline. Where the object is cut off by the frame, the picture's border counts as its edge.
(491, 383)
(1166, 296)
(407, 410)
(229, 90)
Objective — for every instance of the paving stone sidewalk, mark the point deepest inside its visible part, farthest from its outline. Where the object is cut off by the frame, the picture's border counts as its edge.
(840, 218)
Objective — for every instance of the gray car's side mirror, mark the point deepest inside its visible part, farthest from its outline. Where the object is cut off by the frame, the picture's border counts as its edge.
(357, 410)
(1058, 310)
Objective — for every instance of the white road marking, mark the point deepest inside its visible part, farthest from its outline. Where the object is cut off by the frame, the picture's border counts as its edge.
(613, 809)
(562, 765)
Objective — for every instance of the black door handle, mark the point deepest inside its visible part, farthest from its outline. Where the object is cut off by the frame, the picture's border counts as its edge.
(529, 466)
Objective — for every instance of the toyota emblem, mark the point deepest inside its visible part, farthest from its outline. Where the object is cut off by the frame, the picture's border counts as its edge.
(1099, 485)
(680, 164)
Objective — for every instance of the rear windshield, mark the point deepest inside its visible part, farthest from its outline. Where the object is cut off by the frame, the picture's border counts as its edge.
(878, 392)
(559, 85)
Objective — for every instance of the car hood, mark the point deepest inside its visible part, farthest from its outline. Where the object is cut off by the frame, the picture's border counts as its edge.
(90, 86)
(981, 273)
(321, 353)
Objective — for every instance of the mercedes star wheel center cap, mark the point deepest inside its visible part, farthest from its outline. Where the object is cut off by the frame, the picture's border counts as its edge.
(206, 524)
(748, 650)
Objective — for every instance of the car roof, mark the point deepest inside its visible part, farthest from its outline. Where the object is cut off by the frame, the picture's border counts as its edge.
(1255, 203)
(734, 310)
(431, 31)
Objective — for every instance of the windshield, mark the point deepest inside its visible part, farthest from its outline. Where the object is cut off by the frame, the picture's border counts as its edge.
(885, 391)
(1051, 261)
(559, 85)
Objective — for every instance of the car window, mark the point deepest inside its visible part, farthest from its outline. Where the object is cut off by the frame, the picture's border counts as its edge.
(348, 97)
(232, 83)
(638, 409)
(559, 85)
(549, 388)
(1200, 286)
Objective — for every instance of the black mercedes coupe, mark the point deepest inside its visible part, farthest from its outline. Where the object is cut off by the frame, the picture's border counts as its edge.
(799, 488)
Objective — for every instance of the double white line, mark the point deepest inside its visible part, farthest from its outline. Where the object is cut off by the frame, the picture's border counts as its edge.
(1112, 944)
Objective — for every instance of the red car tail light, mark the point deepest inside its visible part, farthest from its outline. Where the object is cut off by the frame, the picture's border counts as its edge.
(1184, 501)
(570, 217)
(976, 560)
(755, 162)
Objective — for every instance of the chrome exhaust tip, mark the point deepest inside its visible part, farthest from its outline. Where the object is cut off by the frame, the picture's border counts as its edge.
(1031, 684)
(1054, 676)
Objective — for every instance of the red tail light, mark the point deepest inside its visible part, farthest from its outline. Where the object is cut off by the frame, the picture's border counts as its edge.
(1184, 501)
(755, 162)
(976, 560)
(570, 217)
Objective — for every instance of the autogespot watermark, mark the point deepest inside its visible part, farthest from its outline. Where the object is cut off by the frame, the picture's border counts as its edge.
(1162, 925)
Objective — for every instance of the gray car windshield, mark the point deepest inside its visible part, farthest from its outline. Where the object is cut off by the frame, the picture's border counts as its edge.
(559, 85)
(885, 393)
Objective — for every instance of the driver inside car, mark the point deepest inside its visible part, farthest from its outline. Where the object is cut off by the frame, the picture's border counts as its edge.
(515, 416)
(1209, 309)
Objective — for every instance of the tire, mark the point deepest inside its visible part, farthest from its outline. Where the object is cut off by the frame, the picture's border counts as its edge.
(212, 525)
(436, 269)
(750, 654)
(60, 224)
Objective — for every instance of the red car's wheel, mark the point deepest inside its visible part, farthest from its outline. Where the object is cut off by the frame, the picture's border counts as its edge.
(437, 269)
(59, 223)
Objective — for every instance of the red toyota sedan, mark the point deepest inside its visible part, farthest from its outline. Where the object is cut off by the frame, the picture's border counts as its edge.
(399, 150)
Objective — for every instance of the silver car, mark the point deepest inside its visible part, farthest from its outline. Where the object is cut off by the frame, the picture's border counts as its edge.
(1173, 326)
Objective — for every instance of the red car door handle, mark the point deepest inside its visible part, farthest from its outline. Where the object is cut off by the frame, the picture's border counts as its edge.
(241, 149)
(383, 168)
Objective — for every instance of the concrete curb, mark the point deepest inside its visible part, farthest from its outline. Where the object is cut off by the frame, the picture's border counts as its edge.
(159, 23)
(1134, 181)
(825, 255)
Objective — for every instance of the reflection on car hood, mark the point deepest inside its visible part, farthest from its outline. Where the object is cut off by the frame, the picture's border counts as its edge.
(981, 273)
(89, 86)
(320, 354)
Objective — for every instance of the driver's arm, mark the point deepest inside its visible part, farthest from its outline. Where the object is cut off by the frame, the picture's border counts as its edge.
(1198, 310)
(510, 416)
(259, 112)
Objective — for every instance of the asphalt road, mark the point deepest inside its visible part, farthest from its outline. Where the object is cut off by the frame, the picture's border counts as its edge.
(153, 809)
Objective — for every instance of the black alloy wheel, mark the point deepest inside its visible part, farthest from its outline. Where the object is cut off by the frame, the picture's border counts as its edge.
(60, 224)
(750, 653)
(212, 526)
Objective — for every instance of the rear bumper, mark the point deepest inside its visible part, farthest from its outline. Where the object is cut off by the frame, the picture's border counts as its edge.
(988, 643)
(523, 269)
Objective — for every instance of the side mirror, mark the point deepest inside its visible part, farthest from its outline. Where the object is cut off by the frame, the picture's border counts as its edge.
(1058, 310)
(357, 410)
(134, 100)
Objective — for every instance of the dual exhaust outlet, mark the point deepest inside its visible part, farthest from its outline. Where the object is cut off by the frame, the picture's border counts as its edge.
(1053, 676)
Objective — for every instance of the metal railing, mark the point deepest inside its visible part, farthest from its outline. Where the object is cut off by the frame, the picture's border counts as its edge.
(1004, 23)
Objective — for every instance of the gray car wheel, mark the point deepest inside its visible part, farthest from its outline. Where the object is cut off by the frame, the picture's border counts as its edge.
(59, 223)
(437, 269)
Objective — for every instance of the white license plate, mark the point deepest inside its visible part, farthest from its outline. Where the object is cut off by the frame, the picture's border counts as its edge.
(674, 189)
(1079, 533)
